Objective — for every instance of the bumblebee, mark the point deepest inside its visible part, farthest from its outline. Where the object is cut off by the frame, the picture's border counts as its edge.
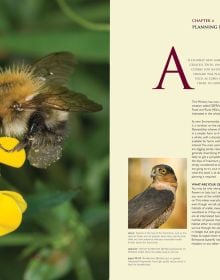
(35, 105)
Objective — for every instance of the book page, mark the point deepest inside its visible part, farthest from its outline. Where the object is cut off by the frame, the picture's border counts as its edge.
(165, 139)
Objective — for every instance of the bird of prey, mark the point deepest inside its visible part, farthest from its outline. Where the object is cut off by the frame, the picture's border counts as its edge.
(151, 208)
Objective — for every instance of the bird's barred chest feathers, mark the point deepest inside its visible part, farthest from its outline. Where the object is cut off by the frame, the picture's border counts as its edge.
(162, 218)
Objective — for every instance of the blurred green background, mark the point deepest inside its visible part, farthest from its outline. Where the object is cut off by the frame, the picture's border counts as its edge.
(64, 234)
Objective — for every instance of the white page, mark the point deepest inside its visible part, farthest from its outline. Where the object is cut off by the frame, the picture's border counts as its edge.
(154, 126)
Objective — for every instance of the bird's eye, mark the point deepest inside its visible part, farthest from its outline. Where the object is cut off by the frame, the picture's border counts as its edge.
(17, 107)
(162, 171)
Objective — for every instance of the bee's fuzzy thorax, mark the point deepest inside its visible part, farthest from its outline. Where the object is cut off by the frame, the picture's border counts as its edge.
(18, 84)
(19, 81)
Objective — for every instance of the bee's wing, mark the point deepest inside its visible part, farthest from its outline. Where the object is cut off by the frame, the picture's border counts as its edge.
(64, 100)
(55, 68)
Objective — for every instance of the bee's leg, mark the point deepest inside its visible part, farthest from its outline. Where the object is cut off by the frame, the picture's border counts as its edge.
(17, 148)
(35, 125)
(1, 147)
(23, 144)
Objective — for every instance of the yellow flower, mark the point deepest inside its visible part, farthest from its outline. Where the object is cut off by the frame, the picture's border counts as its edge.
(12, 206)
(13, 159)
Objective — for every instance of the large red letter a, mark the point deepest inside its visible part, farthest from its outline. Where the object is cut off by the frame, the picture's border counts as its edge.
(179, 71)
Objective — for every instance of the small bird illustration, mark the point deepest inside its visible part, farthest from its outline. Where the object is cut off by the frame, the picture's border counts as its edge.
(151, 208)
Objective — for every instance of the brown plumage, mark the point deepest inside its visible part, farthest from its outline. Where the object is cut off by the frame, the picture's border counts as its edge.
(152, 207)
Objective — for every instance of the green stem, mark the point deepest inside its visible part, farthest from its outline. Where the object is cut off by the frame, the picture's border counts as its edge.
(79, 20)
(21, 239)
(83, 269)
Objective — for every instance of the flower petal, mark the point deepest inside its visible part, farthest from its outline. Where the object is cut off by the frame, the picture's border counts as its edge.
(10, 214)
(18, 199)
(14, 159)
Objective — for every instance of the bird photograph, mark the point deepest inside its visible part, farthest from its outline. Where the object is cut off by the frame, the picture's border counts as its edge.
(160, 200)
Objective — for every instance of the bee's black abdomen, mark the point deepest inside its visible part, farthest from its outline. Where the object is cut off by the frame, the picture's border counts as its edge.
(36, 123)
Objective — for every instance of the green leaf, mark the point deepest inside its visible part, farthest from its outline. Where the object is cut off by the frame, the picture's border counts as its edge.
(19, 239)
(41, 202)
(83, 270)
(48, 264)
(94, 180)
(93, 216)
(86, 45)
